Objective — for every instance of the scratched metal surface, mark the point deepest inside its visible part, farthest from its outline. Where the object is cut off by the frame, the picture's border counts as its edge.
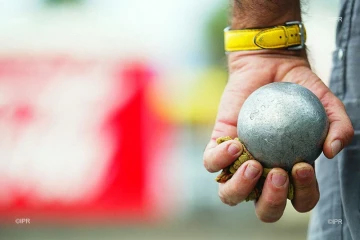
(282, 124)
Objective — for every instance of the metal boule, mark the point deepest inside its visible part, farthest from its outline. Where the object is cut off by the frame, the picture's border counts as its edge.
(282, 124)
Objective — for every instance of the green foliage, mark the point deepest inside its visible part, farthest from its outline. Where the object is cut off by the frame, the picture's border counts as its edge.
(214, 34)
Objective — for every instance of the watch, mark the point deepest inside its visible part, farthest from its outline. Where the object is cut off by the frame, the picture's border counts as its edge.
(291, 35)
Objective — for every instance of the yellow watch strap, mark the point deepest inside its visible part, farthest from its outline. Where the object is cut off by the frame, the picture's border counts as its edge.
(292, 35)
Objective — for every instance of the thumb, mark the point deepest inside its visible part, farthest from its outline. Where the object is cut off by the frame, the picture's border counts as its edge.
(341, 130)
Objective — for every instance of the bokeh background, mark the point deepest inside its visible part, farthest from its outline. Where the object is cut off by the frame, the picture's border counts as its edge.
(105, 109)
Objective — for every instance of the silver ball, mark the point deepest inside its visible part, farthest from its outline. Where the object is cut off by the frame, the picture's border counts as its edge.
(282, 124)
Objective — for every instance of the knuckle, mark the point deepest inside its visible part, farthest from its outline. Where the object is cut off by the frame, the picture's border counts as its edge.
(340, 103)
(226, 196)
(273, 204)
(304, 185)
(206, 164)
(225, 199)
(223, 196)
(212, 159)
(350, 133)
(336, 101)
(302, 189)
(231, 189)
(307, 203)
(236, 192)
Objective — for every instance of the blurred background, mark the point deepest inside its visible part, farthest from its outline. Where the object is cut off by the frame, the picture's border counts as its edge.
(105, 109)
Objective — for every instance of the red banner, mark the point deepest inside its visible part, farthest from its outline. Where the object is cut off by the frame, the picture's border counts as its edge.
(78, 139)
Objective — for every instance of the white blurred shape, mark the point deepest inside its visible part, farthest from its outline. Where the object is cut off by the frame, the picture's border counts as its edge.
(52, 143)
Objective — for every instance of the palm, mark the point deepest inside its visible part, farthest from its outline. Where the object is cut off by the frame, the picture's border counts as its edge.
(248, 72)
(257, 71)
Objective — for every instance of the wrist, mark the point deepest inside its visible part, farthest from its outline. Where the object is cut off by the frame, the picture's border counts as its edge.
(232, 56)
(264, 13)
(265, 59)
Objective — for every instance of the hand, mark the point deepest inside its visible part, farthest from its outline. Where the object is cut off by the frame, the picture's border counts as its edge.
(249, 71)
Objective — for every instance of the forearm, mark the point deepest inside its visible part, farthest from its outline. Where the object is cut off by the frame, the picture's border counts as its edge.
(263, 13)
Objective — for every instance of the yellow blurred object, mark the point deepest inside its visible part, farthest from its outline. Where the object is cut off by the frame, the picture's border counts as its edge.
(193, 101)
(264, 38)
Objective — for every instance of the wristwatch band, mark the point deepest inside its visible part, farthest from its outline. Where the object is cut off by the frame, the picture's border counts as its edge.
(292, 36)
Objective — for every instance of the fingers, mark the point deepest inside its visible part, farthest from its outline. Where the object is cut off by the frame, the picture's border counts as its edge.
(217, 156)
(232, 99)
(271, 204)
(241, 184)
(220, 156)
(306, 189)
(341, 130)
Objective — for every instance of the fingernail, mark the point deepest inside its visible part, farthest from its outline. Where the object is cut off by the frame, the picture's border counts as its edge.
(336, 147)
(278, 179)
(304, 172)
(234, 149)
(251, 172)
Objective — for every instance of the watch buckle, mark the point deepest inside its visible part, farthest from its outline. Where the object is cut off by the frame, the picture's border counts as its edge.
(302, 35)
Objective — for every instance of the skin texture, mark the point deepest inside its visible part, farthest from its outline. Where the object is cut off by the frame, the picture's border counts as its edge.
(264, 13)
(249, 70)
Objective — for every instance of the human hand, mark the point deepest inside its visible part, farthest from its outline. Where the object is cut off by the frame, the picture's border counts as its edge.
(249, 71)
